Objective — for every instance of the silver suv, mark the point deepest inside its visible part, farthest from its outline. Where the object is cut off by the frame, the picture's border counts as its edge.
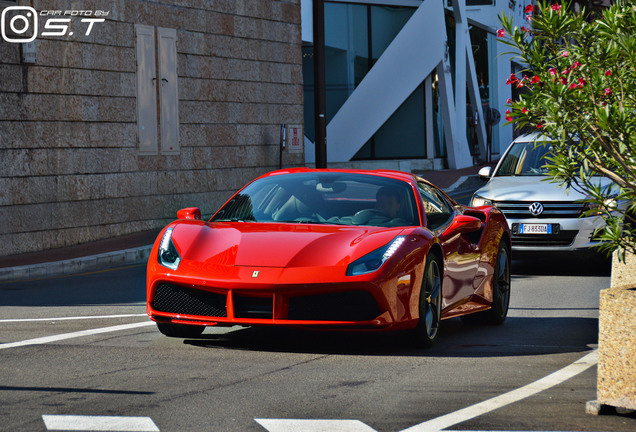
(542, 216)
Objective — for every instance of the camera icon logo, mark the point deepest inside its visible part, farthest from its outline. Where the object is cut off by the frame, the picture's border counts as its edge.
(17, 23)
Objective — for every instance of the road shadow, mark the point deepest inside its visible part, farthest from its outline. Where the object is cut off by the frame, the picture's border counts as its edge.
(110, 287)
(519, 336)
(560, 264)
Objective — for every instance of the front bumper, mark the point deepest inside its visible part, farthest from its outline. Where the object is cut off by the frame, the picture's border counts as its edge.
(570, 234)
(352, 306)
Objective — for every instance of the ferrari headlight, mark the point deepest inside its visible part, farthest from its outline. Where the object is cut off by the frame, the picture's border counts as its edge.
(168, 255)
(374, 260)
(478, 201)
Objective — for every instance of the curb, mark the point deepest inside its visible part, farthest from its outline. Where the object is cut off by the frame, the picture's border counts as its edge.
(458, 183)
(85, 264)
(468, 184)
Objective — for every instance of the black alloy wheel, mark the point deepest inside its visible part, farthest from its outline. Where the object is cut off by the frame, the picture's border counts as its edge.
(430, 302)
(500, 287)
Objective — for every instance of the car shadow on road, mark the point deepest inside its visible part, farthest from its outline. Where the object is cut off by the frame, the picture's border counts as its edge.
(560, 264)
(519, 336)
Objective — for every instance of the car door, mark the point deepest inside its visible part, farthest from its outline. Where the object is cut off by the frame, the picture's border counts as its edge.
(461, 255)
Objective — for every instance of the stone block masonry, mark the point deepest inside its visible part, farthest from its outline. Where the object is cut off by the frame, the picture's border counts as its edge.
(70, 165)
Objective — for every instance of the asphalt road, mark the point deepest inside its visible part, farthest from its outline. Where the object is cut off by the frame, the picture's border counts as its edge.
(232, 377)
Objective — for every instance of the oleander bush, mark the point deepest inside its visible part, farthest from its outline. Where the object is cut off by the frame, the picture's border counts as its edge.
(579, 89)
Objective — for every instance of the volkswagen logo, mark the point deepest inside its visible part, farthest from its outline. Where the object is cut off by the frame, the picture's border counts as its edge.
(536, 208)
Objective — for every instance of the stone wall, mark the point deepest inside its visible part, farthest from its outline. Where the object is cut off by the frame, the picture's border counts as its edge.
(70, 168)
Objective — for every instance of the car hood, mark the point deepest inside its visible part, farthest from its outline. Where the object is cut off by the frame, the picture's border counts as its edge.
(529, 188)
(276, 245)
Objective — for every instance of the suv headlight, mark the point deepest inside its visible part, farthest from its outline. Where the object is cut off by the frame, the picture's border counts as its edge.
(478, 201)
(168, 255)
(594, 209)
(374, 260)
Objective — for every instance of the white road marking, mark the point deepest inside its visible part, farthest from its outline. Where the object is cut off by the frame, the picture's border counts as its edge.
(64, 336)
(287, 425)
(99, 423)
(13, 320)
(468, 413)
(440, 423)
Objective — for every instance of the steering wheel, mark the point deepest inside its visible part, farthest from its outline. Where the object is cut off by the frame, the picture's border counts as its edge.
(363, 216)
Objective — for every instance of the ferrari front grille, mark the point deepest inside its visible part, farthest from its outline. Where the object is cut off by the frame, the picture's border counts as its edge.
(338, 306)
(188, 301)
(253, 307)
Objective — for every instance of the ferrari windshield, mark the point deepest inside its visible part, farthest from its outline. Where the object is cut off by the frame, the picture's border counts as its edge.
(525, 159)
(326, 198)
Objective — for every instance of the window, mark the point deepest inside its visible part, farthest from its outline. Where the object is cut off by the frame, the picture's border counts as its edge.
(438, 210)
(149, 86)
(324, 198)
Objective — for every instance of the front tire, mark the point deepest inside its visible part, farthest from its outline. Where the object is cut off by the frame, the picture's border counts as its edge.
(180, 330)
(430, 302)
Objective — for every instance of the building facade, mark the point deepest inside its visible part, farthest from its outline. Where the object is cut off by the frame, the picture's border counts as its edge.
(112, 119)
(412, 80)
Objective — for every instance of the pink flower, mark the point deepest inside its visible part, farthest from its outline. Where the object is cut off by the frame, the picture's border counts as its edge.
(509, 101)
(508, 115)
(524, 110)
(529, 9)
(608, 72)
(582, 82)
(608, 91)
(535, 79)
(501, 33)
(572, 86)
(539, 125)
(556, 7)
(563, 81)
(523, 29)
(603, 103)
(552, 71)
(575, 65)
(529, 18)
(565, 53)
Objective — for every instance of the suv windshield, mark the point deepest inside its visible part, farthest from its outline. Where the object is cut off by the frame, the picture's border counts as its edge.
(327, 198)
(525, 159)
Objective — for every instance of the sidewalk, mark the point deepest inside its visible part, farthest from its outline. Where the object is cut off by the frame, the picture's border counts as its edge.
(135, 248)
(100, 255)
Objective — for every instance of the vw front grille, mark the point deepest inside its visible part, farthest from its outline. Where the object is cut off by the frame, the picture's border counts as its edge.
(553, 210)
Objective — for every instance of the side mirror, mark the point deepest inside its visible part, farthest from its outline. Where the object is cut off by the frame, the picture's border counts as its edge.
(485, 173)
(464, 224)
(189, 213)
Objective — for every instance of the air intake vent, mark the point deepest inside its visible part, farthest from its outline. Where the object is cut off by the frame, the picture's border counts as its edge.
(187, 301)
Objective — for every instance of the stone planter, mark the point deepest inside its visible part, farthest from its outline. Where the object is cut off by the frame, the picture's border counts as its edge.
(616, 385)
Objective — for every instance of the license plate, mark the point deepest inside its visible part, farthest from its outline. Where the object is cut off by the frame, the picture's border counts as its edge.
(535, 228)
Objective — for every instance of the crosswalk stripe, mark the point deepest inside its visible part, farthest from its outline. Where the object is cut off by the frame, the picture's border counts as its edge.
(99, 423)
(297, 425)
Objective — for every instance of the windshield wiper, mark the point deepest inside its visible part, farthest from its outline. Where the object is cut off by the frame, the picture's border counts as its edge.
(311, 222)
(233, 220)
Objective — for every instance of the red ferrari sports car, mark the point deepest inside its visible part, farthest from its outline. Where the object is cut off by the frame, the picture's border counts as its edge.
(331, 249)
